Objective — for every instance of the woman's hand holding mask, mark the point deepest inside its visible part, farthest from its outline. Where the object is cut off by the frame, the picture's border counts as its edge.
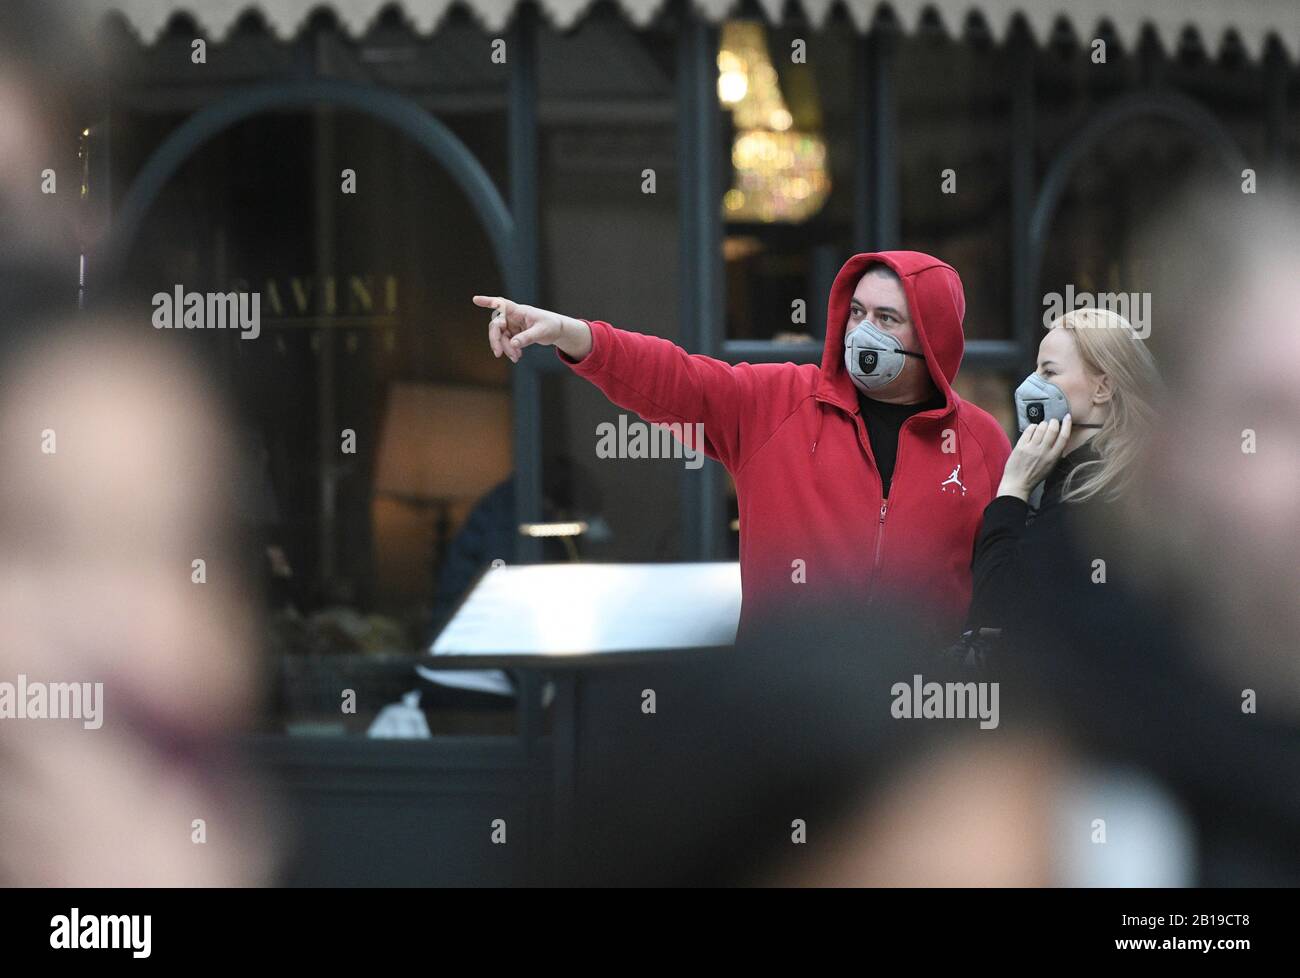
(1036, 453)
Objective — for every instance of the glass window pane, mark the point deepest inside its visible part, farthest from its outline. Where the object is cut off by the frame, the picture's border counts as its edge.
(787, 161)
(954, 138)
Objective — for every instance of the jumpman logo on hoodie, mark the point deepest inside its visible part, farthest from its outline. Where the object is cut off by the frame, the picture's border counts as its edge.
(953, 478)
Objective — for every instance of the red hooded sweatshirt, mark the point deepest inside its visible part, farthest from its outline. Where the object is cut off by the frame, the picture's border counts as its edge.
(813, 524)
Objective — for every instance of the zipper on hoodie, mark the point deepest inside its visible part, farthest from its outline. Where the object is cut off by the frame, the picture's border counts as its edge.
(884, 511)
(884, 500)
(865, 442)
(880, 538)
(880, 546)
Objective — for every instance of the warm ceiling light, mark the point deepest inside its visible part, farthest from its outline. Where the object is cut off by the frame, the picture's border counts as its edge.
(781, 174)
(732, 86)
(573, 529)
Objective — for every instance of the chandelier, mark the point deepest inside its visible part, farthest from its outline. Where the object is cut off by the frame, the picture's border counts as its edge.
(780, 173)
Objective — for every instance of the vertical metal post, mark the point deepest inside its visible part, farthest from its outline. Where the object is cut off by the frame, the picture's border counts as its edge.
(99, 146)
(522, 94)
(1275, 110)
(824, 263)
(863, 145)
(329, 464)
(543, 849)
(882, 141)
(564, 773)
(701, 268)
(1023, 274)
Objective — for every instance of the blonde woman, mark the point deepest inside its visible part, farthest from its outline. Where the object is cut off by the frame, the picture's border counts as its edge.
(1085, 416)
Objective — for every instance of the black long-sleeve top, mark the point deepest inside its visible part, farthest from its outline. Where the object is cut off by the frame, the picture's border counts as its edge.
(1021, 553)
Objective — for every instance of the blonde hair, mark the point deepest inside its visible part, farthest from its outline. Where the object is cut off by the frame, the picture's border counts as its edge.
(1108, 345)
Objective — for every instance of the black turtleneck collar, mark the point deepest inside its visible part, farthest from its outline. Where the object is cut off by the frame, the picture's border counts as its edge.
(1068, 463)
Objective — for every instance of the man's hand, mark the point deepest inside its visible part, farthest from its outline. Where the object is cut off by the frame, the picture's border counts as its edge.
(516, 326)
(1036, 453)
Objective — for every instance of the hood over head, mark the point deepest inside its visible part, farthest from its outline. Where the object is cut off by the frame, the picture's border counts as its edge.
(937, 304)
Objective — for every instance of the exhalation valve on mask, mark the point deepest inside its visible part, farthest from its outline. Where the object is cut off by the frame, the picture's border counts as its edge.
(1038, 400)
(872, 357)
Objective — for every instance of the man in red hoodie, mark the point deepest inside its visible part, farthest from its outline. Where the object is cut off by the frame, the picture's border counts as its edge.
(864, 480)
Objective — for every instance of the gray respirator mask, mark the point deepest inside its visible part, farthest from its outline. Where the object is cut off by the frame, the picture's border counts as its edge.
(1039, 400)
(873, 357)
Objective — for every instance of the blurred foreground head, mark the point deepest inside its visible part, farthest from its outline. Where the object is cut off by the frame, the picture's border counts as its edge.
(117, 566)
(1221, 484)
(785, 762)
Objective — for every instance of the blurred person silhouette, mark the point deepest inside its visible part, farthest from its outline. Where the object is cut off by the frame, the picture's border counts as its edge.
(117, 474)
(1179, 658)
(785, 762)
(491, 532)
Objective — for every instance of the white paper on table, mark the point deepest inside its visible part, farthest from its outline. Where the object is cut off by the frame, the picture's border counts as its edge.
(574, 609)
(477, 680)
(404, 720)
